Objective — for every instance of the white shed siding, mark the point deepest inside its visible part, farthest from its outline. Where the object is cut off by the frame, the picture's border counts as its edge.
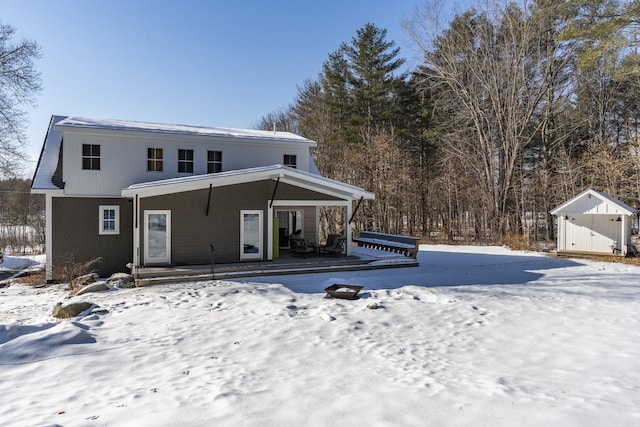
(594, 205)
(590, 233)
(124, 158)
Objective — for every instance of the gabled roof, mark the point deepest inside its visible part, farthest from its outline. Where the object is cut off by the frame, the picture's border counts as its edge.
(286, 174)
(48, 160)
(593, 202)
(174, 129)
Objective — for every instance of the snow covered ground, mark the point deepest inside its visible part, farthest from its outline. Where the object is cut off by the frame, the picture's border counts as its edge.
(475, 336)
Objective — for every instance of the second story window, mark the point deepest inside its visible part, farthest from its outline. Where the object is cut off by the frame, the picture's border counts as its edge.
(185, 161)
(91, 157)
(290, 160)
(214, 161)
(154, 159)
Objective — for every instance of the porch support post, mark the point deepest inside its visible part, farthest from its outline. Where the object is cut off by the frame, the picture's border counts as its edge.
(562, 231)
(348, 227)
(270, 230)
(136, 235)
(48, 237)
(623, 234)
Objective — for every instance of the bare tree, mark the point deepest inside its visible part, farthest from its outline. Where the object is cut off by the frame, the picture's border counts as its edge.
(487, 68)
(19, 84)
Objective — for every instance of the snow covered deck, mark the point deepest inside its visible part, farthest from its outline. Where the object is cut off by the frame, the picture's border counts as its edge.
(361, 259)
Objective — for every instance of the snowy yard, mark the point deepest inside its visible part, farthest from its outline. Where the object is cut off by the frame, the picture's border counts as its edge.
(475, 336)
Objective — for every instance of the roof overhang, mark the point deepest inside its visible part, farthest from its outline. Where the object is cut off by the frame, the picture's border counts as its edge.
(84, 125)
(595, 203)
(48, 161)
(285, 174)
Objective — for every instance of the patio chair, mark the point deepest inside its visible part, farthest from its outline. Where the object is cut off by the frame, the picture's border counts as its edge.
(300, 247)
(336, 248)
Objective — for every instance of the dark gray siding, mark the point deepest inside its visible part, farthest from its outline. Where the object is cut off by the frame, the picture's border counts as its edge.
(76, 235)
(192, 231)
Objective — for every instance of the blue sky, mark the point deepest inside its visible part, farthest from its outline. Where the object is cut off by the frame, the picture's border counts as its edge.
(210, 63)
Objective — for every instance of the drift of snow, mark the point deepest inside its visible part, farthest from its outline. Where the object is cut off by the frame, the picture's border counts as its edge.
(474, 336)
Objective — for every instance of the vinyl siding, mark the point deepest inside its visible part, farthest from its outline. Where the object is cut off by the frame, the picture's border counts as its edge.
(124, 159)
(192, 231)
(76, 237)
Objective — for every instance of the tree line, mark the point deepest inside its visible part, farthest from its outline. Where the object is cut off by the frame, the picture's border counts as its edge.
(22, 219)
(513, 109)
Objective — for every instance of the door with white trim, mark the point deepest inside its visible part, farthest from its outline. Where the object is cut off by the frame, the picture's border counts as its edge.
(250, 235)
(157, 237)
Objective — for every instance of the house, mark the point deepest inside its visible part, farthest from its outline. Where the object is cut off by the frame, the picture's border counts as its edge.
(595, 223)
(155, 194)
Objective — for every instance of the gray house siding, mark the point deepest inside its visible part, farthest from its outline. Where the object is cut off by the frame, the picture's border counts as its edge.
(76, 237)
(192, 231)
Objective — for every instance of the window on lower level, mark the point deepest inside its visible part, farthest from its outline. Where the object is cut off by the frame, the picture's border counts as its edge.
(154, 160)
(109, 220)
(90, 157)
(214, 161)
(290, 160)
(185, 161)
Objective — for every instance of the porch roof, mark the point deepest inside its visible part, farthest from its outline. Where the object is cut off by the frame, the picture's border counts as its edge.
(286, 174)
(593, 202)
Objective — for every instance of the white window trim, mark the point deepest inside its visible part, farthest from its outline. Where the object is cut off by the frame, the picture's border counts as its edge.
(101, 229)
(258, 255)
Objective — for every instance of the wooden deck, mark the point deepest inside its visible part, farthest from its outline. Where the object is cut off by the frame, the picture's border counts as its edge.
(282, 266)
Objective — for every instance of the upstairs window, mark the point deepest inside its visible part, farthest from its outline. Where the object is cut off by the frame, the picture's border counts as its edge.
(214, 161)
(154, 159)
(185, 161)
(290, 160)
(109, 220)
(91, 157)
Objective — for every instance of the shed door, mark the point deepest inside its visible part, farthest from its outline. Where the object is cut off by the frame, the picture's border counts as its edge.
(591, 233)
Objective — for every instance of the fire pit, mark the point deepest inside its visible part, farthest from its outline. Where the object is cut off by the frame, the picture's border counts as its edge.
(343, 291)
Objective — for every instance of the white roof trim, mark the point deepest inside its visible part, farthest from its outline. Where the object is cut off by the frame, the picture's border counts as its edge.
(286, 174)
(174, 129)
(606, 198)
(48, 161)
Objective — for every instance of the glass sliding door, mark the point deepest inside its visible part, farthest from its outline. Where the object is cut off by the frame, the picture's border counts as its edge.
(250, 235)
(157, 233)
(290, 222)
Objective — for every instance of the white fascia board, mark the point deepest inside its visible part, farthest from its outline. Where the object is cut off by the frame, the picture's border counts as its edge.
(311, 203)
(336, 190)
(54, 192)
(287, 175)
(48, 160)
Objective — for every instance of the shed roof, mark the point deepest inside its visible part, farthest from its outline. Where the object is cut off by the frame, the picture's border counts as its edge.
(593, 202)
(286, 174)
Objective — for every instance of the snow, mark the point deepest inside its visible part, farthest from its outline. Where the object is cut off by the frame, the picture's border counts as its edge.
(131, 125)
(473, 336)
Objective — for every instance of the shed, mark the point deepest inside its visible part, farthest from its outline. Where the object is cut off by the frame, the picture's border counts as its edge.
(594, 223)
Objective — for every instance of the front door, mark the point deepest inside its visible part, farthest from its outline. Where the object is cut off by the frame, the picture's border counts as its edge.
(157, 232)
(250, 235)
